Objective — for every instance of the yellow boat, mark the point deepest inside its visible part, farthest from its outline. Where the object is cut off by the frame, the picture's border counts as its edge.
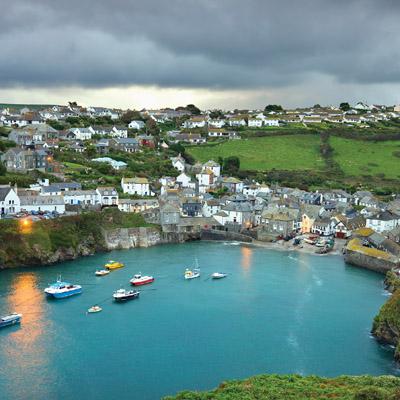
(113, 265)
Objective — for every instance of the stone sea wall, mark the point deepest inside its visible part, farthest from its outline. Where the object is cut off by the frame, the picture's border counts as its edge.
(376, 264)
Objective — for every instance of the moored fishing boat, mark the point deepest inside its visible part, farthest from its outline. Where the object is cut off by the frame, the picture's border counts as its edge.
(102, 272)
(219, 275)
(9, 320)
(60, 289)
(123, 295)
(139, 280)
(113, 265)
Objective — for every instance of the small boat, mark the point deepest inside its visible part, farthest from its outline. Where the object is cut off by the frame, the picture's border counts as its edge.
(113, 265)
(138, 280)
(94, 309)
(218, 275)
(123, 295)
(192, 273)
(60, 290)
(11, 319)
(102, 272)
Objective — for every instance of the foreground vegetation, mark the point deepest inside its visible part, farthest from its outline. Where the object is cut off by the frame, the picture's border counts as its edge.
(296, 387)
(23, 242)
(386, 325)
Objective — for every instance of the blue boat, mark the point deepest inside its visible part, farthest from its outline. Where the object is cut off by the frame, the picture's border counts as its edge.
(60, 289)
(11, 319)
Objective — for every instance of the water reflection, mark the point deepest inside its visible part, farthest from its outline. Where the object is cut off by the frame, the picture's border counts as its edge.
(25, 353)
(247, 254)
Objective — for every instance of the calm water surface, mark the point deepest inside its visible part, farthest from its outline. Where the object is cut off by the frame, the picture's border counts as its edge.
(275, 313)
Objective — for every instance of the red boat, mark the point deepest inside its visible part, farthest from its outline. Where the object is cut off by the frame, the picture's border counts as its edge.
(139, 280)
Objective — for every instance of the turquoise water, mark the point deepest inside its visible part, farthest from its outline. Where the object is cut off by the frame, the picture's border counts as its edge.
(275, 313)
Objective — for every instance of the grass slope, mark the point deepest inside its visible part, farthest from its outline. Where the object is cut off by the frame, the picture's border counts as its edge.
(296, 387)
(357, 157)
(265, 153)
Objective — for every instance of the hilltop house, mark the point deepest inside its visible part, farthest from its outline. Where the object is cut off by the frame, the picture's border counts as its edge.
(178, 163)
(212, 166)
(20, 160)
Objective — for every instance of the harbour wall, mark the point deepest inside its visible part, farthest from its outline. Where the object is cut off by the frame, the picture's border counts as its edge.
(376, 264)
(212, 234)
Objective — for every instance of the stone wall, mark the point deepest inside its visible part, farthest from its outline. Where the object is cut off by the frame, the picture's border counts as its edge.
(372, 263)
(210, 234)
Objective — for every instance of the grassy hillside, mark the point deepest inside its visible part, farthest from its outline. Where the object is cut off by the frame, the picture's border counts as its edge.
(357, 157)
(265, 153)
(295, 387)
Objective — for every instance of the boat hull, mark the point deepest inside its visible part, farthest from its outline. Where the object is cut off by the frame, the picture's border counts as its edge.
(63, 295)
(126, 298)
(16, 321)
(141, 283)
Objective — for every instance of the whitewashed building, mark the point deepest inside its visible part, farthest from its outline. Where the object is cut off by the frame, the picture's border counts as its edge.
(9, 200)
(137, 185)
(383, 221)
(108, 196)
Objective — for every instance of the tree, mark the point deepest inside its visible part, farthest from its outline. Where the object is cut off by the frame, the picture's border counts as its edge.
(273, 107)
(130, 115)
(344, 106)
(231, 165)
(152, 128)
(214, 114)
(193, 109)
(317, 105)
(3, 169)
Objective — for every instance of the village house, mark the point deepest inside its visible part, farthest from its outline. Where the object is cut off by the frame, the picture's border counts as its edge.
(383, 221)
(136, 125)
(213, 166)
(205, 179)
(216, 123)
(309, 214)
(9, 200)
(279, 223)
(193, 138)
(137, 205)
(137, 186)
(191, 207)
(117, 165)
(211, 207)
(184, 180)
(237, 121)
(238, 213)
(345, 226)
(20, 160)
(324, 226)
(58, 188)
(108, 196)
(80, 133)
(271, 122)
(36, 203)
(83, 198)
(178, 163)
(127, 145)
(195, 122)
(255, 122)
(233, 185)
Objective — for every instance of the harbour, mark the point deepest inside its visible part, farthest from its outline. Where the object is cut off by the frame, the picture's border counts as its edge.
(276, 312)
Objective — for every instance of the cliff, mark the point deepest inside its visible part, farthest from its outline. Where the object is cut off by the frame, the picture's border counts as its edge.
(24, 243)
(296, 387)
(386, 326)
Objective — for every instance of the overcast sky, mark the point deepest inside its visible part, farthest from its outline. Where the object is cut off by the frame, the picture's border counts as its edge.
(221, 53)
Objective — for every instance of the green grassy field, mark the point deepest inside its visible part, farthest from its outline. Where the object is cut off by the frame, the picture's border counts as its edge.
(265, 153)
(358, 158)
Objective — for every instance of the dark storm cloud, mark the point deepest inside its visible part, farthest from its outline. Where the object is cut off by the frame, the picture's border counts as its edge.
(202, 43)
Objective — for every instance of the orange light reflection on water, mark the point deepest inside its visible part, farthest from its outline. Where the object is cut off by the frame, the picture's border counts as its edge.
(247, 254)
(25, 353)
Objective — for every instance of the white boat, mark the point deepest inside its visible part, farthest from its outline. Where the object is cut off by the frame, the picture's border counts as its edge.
(218, 275)
(139, 280)
(123, 295)
(61, 290)
(192, 273)
(94, 309)
(11, 319)
(102, 272)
